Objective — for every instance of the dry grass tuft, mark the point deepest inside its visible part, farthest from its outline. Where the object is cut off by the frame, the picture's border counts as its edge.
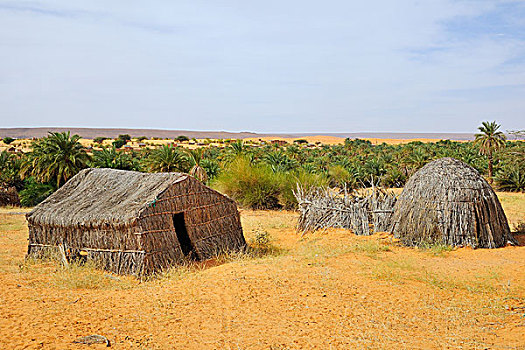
(89, 276)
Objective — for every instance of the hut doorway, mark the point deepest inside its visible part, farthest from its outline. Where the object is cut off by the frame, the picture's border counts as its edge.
(182, 235)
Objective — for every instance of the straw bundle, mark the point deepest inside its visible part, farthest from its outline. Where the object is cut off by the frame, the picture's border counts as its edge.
(126, 220)
(448, 202)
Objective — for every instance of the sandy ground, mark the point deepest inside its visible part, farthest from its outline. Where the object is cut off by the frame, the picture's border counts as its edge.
(25, 144)
(328, 290)
(333, 140)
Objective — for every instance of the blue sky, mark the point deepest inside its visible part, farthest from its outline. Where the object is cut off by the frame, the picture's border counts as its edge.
(264, 66)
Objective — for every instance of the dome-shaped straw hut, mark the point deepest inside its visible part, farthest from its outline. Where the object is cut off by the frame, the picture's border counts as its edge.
(448, 202)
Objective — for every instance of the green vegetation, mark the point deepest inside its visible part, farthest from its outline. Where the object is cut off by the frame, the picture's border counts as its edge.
(489, 140)
(264, 175)
(34, 192)
(182, 138)
(118, 143)
(124, 137)
(55, 158)
(99, 139)
(8, 140)
(165, 159)
(109, 157)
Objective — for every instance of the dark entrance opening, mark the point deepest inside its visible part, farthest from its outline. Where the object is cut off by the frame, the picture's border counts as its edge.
(182, 236)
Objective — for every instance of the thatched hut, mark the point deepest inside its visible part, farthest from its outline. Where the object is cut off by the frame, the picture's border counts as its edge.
(447, 201)
(135, 223)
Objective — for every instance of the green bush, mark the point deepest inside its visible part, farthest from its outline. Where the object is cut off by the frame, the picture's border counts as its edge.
(118, 143)
(394, 177)
(34, 193)
(124, 137)
(211, 167)
(182, 138)
(339, 176)
(99, 139)
(253, 186)
(511, 178)
(8, 140)
(288, 184)
(257, 186)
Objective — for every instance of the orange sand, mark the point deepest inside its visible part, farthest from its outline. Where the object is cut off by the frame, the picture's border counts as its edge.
(328, 290)
(333, 140)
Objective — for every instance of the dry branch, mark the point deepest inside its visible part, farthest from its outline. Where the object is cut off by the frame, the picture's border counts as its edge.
(324, 207)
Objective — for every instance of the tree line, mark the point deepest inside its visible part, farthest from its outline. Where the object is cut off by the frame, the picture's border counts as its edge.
(264, 176)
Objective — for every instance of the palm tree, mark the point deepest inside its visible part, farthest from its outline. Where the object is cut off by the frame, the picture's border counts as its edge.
(55, 158)
(166, 159)
(489, 140)
(238, 147)
(195, 157)
(279, 162)
(10, 170)
(109, 157)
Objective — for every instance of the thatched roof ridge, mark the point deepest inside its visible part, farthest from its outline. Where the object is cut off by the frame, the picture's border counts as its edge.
(448, 201)
(96, 197)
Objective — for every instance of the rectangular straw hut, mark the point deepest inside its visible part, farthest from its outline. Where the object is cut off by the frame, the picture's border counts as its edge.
(135, 223)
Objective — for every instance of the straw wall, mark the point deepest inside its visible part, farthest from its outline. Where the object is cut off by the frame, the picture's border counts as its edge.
(116, 248)
(212, 222)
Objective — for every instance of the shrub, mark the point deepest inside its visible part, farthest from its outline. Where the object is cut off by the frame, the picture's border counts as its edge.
(8, 140)
(511, 178)
(211, 167)
(339, 176)
(34, 193)
(394, 177)
(124, 137)
(261, 245)
(182, 138)
(253, 186)
(289, 183)
(99, 139)
(118, 143)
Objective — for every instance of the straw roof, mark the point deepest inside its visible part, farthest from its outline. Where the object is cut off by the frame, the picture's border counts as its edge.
(448, 201)
(95, 197)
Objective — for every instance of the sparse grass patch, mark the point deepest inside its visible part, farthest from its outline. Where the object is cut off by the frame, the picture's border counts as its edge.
(315, 250)
(409, 270)
(9, 222)
(393, 270)
(178, 272)
(436, 249)
(261, 245)
(314, 253)
(88, 276)
(513, 205)
(370, 248)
